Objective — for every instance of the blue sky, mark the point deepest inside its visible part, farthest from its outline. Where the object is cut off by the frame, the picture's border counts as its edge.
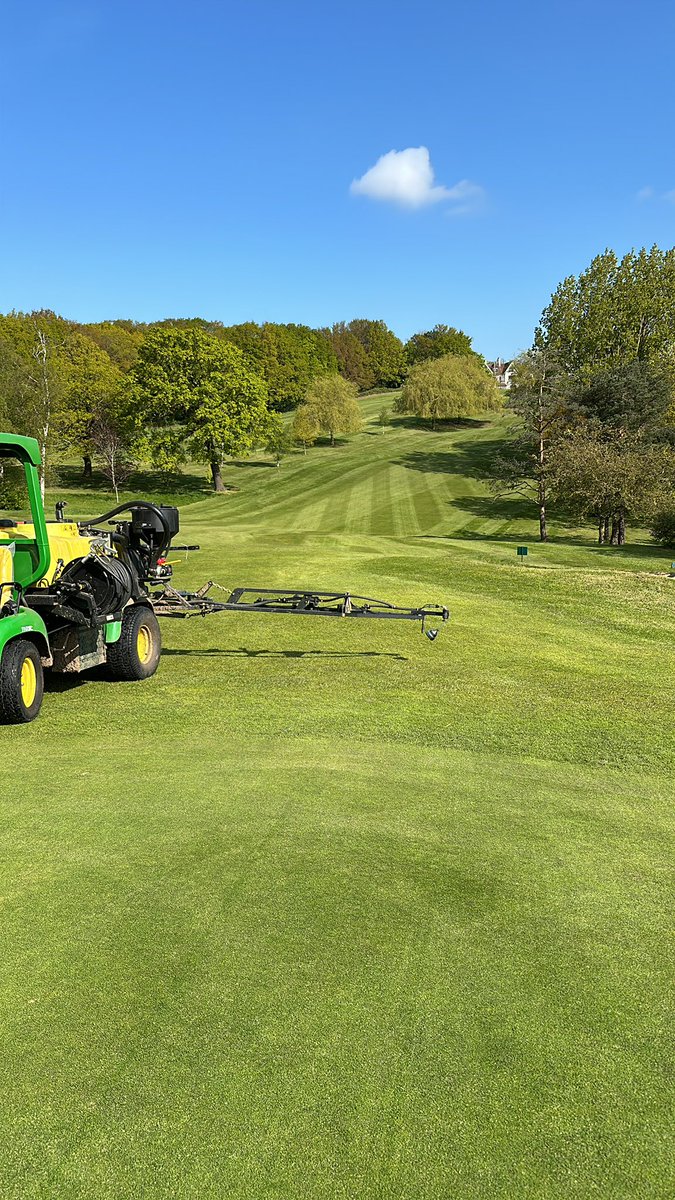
(172, 159)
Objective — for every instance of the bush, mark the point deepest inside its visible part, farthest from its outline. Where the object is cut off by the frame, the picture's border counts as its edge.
(12, 488)
(663, 527)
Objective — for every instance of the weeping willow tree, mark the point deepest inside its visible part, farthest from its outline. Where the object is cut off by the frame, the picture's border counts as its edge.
(448, 388)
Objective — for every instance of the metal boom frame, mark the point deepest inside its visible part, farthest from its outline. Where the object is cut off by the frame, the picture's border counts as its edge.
(172, 603)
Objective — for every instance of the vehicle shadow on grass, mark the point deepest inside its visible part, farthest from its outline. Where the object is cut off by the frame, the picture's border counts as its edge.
(56, 682)
(243, 652)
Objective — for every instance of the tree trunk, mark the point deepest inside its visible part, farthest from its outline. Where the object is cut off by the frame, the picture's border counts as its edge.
(621, 539)
(614, 536)
(40, 356)
(541, 474)
(605, 531)
(86, 466)
(332, 438)
(543, 532)
(601, 529)
(218, 485)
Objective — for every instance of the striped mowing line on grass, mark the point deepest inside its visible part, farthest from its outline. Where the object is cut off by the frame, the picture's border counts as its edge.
(430, 504)
(403, 510)
(381, 518)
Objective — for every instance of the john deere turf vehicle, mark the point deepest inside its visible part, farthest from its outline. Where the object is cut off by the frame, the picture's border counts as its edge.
(80, 594)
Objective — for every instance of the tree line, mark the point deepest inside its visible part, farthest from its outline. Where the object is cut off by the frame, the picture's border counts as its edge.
(592, 401)
(121, 392)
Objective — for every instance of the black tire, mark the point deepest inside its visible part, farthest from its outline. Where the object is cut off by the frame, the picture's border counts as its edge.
(21, 682)
(136, 655)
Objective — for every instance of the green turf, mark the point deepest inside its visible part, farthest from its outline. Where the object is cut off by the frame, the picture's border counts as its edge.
(324, 910)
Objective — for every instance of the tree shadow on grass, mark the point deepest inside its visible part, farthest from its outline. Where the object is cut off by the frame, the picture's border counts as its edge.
(241, 463)
(497, 508)
(517, 508)
(243, 652)
(459, 423)
(70, 477)
(474, 458)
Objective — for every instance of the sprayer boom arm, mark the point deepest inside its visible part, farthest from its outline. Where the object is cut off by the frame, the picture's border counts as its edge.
(172, 603)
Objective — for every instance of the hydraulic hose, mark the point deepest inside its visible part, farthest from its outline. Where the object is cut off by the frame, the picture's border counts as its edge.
(132, 506)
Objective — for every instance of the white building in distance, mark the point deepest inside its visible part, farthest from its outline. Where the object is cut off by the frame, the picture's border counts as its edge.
(502, 372)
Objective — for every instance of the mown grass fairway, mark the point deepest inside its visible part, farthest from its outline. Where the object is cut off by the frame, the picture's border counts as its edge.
(324, 910)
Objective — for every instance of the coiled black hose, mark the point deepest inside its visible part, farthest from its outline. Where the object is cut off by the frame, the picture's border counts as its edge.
(108, 579)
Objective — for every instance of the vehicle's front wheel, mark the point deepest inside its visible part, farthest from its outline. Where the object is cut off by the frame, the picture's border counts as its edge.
(137, 652)
(21, 682)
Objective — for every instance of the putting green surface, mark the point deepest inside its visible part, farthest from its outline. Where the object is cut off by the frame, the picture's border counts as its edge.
(325, 910)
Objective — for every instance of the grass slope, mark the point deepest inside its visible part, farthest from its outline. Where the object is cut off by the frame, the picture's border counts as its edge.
(324, 910)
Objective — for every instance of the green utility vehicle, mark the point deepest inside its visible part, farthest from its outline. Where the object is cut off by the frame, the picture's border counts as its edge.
(82, 594)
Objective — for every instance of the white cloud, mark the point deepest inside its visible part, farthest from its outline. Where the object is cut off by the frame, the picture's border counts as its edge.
(650, 193)
(406, 177)
(468, 197)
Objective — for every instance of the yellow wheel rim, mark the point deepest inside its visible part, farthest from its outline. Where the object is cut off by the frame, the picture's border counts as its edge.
(144, 644)
(28, 682)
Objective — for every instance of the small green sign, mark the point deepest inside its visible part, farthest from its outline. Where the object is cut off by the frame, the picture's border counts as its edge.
(522, 551)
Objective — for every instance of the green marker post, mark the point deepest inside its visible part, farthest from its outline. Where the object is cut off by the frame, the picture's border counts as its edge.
(522, 554)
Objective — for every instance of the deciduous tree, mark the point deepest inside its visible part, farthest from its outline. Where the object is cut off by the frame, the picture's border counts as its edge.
(351, 355)
(663, 525)
(384, 417)
(614, 477)
(305, 428)
(384, 351)
(635, 397)
(112, 449)
(279, 439)
(36, 375)
(615, 312)
(194, 392)
(539, 397)
(449, 388)
(332, 403)
(288, 357)
(119, 339)
(91, 387)
(436, 343)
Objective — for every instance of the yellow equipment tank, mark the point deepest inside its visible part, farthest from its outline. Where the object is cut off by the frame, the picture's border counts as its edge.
(65, 543)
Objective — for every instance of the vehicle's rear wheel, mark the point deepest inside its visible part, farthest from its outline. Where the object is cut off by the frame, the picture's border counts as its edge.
(137, 652)
(21, 682)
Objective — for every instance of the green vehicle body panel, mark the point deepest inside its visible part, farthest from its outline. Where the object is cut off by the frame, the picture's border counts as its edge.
(112, 632)
(26, 449)
(25, 623)
(32, 556)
